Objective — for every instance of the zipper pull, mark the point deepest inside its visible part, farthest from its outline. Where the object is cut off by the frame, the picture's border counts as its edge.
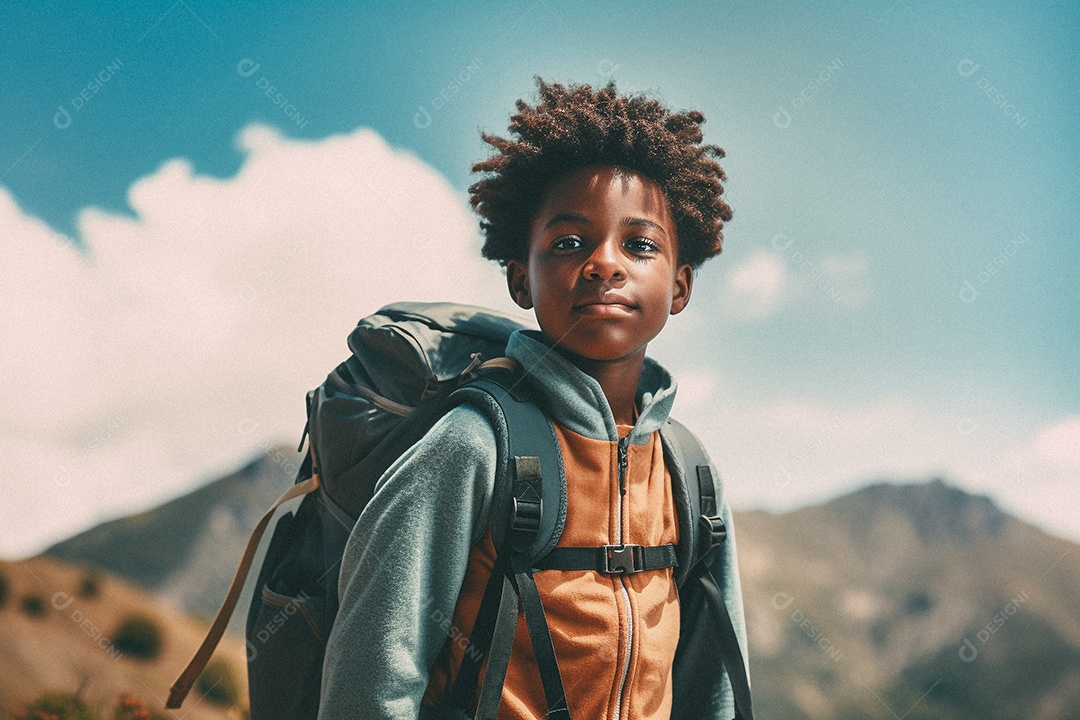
(623, 452)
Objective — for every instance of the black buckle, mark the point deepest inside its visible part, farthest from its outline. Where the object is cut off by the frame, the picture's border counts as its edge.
(713, 526)
(525, 516)
(621, 559)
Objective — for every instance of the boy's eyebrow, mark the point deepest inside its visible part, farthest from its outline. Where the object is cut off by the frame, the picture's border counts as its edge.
(565, 217)
(636, 221)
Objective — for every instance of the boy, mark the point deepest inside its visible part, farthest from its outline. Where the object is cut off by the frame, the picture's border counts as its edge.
(599, 211)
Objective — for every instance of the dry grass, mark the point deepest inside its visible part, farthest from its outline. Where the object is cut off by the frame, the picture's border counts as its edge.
(69, 647)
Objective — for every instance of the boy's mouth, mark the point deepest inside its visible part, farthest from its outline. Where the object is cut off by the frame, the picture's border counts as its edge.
(609, 304)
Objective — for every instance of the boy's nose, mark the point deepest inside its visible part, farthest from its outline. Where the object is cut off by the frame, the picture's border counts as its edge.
(605, 263)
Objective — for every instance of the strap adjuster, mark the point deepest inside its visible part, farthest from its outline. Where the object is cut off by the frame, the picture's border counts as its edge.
(714, 528)
(525, 515)
(621, 559)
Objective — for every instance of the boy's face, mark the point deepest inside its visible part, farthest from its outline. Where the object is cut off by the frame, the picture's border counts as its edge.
(602, 272)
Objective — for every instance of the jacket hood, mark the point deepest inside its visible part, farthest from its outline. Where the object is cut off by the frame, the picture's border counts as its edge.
(576, 399)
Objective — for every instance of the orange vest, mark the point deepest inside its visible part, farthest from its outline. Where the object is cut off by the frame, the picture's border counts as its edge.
(614, 635)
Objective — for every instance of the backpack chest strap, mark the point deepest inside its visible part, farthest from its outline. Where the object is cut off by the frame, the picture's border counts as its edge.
(610, 559)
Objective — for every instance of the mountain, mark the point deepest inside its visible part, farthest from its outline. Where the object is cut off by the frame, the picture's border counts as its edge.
(186, 550)
(60, 632)
(910, 601)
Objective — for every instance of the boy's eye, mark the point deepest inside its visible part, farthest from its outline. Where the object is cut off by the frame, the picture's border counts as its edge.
(642, 245)
(566, 242)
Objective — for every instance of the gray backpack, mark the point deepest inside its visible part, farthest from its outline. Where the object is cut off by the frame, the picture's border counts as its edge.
(410, 364)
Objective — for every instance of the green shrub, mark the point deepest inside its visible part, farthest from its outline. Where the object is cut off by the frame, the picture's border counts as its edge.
(55, 706)
(218, 683)
(90, 585)
(33, 605)
(139, 636)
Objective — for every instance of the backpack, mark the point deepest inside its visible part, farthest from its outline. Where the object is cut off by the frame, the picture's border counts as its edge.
(410, 364)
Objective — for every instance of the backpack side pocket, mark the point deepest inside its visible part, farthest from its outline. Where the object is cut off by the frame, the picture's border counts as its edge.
(290, 618)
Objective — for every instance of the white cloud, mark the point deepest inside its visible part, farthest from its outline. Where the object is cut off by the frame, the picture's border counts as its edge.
(696, 392)
(1058, 446)
(125, 373)
(186, 338)
(1043, 476)
(756, 287)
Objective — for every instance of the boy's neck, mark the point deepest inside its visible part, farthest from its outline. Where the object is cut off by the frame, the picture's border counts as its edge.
(618, 380)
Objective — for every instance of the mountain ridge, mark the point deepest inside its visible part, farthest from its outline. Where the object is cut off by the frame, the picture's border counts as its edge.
(856, 607)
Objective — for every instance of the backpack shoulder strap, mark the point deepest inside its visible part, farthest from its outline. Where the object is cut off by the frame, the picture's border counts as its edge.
(528, 513)
(710, 533)
(528, 451)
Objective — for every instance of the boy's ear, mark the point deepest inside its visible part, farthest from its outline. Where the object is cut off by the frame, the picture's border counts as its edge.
(517, 281)
(684, 284)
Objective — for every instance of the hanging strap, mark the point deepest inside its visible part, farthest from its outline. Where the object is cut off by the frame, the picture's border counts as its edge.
(512, 574)
(536, 511)
(729, 652)
(183, 684)
(501, 646)
(480, 639)
(540, 635)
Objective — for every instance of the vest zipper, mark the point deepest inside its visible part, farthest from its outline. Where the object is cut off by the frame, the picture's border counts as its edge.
(623, 460)
(623, 447)
(629, 645)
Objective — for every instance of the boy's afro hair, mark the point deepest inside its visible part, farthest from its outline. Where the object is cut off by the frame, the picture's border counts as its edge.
(572, 127)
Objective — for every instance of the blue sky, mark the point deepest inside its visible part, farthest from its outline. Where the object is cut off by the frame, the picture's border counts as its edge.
(896, 295)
